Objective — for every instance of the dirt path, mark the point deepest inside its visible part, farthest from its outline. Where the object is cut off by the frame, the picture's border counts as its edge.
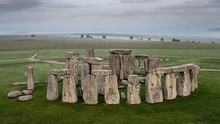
(33, 59)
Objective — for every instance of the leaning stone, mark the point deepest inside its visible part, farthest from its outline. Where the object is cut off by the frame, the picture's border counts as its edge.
(114, 64)
(90, 52)
(133, 91)
(27, 92)
(170, 91)
(153, 92)
(69, 94)
(111, 90)
(13, 94)
(184, 84)
(101, 72)
(120, 51)
(25, 98)
(123, 96)
(30, 78)
(124, 82)
(90, 93)
(121, 87)
(52, 87)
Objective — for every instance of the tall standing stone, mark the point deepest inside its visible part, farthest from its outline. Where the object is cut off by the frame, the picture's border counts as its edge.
(52, 87)
(100, 79)
(72, 64)
(193, 77)
(85, 70)
(136, 66)
(30, 79)
(69, 94)
(184, 84)
(154, 63)
(133, 91)
(170, 91)
(90, 93)
(127, 65)
(115, 64)
(90, 52)
(111, 90)
(154, 92)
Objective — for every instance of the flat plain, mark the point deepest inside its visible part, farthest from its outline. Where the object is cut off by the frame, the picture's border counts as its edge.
(203, 106)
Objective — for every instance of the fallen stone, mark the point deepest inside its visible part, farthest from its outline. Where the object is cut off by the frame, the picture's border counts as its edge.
(123, 96)
(25, 98)
(19, 83)
(13, 94)
(121, 87)
(124, 82)
(27, 92)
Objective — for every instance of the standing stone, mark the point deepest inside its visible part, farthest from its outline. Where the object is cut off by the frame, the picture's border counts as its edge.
(115, 64)
(153, 88)
(170, 86)
(30, 79)
(133, 93)
(111, 90)
(146, 65)
(52, 87)
(193, 77)
(154, 63)
(90, 52)
(100, 79)
(90, 93)
(72, 64)
(184, 84)
(136, 66)
(69, 94)
(127, 65)
(86, 70)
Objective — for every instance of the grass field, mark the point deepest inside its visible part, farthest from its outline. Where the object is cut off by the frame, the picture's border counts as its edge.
(203, 106)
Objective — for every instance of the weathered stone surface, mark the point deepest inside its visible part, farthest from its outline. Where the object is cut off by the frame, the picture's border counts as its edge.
(19, 83)
(111, 90)
(25, 98)
(69, 94)
(90, 93)
(154, 63)
(184, 84)
(115, 64)
(52, 87)
(127, 66)
(13, 94)
(27, 92)
(136, 66)
(101, 72)
(153, 88)
(141, 56)
(71, 55)
(123, 96)
(193, 77)
(85, 70)
(133, 91)
(170, 82)
(60, 72)
(30, 78)
(72, 65)
(120, 51)
(142, 79)
(90, 52)
(93, 60)
(124, 82)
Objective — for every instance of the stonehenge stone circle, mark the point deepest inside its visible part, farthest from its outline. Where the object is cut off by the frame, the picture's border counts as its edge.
(30, 78)
(133, 91)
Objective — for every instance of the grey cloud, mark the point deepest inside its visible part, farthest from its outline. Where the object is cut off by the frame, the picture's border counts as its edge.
(15, 5)
(138, 1)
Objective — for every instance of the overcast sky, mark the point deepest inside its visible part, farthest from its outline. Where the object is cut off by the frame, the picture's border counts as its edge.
(165, 17)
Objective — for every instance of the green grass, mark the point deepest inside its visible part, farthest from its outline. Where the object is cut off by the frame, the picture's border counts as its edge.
(203, 106)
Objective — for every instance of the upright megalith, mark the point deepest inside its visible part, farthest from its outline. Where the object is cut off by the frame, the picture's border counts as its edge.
(69, 94)
(90, 52)
(111, 90)
(133, 91)
(184, 84)
(90, 93)
(170, 91)
(120, 62)
(30, 78)
(52, 87)
(154, 63)
(153, 91)
(137, 63)
(193, 76)
(72, 64)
